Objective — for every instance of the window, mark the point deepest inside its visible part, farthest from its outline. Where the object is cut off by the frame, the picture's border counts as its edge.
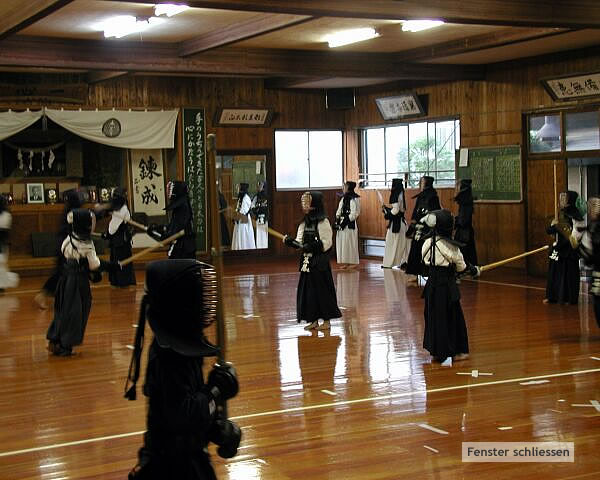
(415, 149)
(308, 159)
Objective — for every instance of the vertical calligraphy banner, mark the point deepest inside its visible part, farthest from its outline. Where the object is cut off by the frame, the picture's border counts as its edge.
(194, 161)
(148, 182)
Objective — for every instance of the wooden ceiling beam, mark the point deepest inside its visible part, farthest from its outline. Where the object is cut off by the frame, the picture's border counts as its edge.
(26, 13)
(155, 57)
(258, 25)
(281, 83)
(98, 76)
(478, 42)
(535, 13)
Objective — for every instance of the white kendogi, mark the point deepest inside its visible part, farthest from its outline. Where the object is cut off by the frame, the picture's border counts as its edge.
(396, 243)
(243, 232)
(346, 240)
(7, 279)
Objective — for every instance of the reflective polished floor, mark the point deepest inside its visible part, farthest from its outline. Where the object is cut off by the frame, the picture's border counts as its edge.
(363, 401)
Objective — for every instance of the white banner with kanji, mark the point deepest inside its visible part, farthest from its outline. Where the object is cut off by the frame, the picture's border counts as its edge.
(148, 182)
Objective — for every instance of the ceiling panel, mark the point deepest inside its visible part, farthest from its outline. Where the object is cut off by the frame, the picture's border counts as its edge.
(311, 35)
(77, 21)
(557, 43)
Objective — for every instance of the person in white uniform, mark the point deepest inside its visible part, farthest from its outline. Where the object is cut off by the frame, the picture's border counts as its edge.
(243, 232)
(346, 240)
(395, 238)
(7, 279)
(260, 211)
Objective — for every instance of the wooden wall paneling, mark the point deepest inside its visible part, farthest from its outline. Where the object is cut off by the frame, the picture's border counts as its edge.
(20, 234)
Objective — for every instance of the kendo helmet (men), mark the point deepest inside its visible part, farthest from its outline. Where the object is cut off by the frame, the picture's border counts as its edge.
(83, 222)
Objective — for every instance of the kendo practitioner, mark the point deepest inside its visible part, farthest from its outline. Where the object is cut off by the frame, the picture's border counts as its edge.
(395, 237)
(120, 239)
(445, 335)
(184, 411)
(590, 251)
(7, 279)
(73, 297)
(346, 239)
(260, 211)
(72, 199)
(427, 201)
(243, 232)
(563, 270)
(463, 225)
(316, 297)
(181, 218)
(225, 240)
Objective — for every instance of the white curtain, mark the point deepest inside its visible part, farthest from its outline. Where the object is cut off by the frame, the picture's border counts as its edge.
(13, 122)
(145, 130)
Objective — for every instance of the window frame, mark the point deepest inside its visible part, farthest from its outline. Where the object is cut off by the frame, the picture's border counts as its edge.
(308, 130)
(364, 175)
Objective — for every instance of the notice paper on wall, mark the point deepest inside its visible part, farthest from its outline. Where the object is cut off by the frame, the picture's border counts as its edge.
(464, 157)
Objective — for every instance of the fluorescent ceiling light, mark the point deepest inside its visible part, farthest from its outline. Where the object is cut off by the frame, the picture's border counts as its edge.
(419, 25)
(346, 37)
(124, 25)
(169, 9)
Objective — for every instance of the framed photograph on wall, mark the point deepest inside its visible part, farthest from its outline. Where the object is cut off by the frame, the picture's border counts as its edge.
(405, 105)
(35, 193)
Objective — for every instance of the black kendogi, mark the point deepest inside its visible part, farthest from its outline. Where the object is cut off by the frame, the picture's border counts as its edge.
(181, 218)
(73, 298)
(396, 196)
(590, 251)
(316, 297)
(182, 408)
(445, 333)
(72, 199)
(563, 266)
(427, 201)
(120, 244)
(463, 226)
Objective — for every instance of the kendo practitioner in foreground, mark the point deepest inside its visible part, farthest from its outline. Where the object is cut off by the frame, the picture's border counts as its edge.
(184, 412)
(316, 297)
(72, 199)
(181, 218)
(346, 239)
(590, 251)
(73, 297)
(463, 225)
(563, 267)
(395, 237)
(119, 237)
(445, 335)
(427, 201)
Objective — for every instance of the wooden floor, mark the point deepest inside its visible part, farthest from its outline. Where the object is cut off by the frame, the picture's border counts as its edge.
(364, 402)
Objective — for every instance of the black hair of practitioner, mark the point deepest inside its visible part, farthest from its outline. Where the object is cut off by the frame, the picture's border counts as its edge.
(464, 232)
(180, 214)
(562, 284)
(73, 298)
(182, 407)
(316, 296)
(590, 251)
(427, 201)
(445, 333)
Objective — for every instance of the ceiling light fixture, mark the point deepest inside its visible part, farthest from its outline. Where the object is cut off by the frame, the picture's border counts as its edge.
(169, 9)
(347, 37)
(420, 25)
(124, 25)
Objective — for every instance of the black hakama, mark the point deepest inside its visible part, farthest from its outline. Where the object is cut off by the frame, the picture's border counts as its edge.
(72, 304)
(563, 275)
(465, 233)
(178, 424)
(316, 297)
(445, 329)
(120, 249)
(414, 263)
